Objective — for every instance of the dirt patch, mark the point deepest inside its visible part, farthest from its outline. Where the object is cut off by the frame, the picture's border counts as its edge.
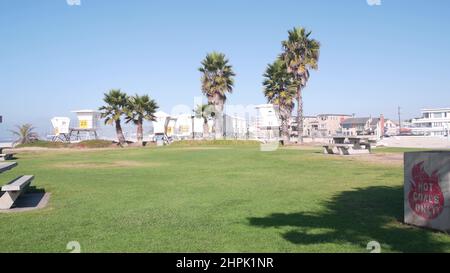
(99, 165)
(389, 159)
(198, 148)
(301, 147)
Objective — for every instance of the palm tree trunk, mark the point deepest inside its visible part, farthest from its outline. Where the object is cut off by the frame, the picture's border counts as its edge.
(218, 118)
(119, 133)
(300, 114)
(285, 125)
(205, 129)
(140, 133)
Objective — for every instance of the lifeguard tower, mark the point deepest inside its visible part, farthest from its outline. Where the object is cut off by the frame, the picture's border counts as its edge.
(87, 125)
(164, 127)
(61, 129)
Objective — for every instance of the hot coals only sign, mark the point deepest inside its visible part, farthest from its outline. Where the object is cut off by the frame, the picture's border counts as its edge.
(426, 189)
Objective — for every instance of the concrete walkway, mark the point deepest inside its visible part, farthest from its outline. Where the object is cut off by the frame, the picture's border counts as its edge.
(416, 142)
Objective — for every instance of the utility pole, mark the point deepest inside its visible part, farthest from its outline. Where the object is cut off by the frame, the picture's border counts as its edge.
(399, 121)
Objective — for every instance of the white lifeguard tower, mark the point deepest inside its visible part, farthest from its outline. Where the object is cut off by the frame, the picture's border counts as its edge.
(87, 124)
(61, 129)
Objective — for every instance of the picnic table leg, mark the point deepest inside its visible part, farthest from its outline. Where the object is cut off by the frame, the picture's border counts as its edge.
(8, 198)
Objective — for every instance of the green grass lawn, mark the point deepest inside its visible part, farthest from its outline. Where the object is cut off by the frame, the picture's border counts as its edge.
(212, 199)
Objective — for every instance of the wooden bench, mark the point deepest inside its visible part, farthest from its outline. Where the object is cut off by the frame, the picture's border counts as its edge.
(11, 191)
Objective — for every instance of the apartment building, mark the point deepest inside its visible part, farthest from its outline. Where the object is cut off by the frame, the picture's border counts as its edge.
(434, 122)
(322, 125)
(368, 126)
(330, 124)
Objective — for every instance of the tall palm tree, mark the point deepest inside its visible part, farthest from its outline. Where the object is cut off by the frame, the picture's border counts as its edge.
(205, 111)
(279, 89)
(25, 134)
(116, 101)
(301, 53)
(138, 109)
(217, 80)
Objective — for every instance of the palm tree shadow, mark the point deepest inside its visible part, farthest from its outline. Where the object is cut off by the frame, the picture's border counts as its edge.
(357, 217)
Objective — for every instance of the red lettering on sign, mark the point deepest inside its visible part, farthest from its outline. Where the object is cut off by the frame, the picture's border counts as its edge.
(425, 195)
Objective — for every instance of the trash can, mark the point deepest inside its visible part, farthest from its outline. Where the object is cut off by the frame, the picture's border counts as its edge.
(427, 189)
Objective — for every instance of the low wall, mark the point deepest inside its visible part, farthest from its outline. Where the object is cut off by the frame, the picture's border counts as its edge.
(427, 142)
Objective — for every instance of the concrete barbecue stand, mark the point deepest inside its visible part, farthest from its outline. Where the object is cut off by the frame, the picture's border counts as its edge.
(427, 189)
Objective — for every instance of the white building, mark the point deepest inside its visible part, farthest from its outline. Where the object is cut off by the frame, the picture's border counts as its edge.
(434, 122)
(267, 122)
(183, 126)
(236, 127)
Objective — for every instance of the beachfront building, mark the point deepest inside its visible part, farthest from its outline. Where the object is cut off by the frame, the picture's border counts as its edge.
(369, 126)
(434, 122)
(267, 122)
(322, 125)
(391, 127)
(187, 126)
(330, 124)
(310, 126)
(355, 126)
(235, 127)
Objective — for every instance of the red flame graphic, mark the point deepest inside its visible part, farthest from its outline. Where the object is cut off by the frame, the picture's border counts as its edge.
(425, 195)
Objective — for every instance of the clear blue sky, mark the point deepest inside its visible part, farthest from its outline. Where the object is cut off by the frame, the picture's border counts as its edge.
(55, 58)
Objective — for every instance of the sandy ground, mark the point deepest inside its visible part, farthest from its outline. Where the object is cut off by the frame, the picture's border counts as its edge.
(98, 165)
(416, 142)
(390, 159)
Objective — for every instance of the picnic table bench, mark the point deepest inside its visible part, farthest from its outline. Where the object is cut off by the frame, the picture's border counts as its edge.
(5, 155)
(7, 166)
(11, 191)
(348, 146)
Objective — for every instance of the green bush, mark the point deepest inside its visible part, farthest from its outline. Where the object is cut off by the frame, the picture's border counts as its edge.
(93, 144)
(82, 144)
(44, 144)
